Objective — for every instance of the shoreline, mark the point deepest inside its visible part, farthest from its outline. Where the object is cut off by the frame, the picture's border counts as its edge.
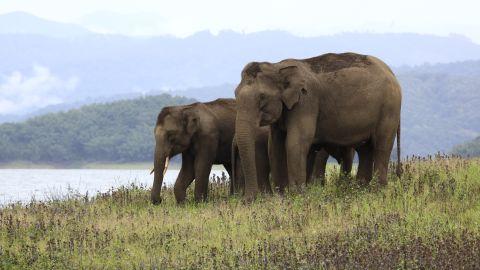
(91, 166)
(88, 165)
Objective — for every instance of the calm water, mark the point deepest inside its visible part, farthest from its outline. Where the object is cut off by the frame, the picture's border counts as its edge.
(25, 184)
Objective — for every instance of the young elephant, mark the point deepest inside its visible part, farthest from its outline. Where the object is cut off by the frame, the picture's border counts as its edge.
(202, 133)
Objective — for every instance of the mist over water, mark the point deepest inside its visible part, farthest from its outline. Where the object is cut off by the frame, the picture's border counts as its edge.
(43, 184)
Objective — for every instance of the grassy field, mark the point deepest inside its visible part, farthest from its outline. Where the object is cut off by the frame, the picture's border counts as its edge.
(428, 219)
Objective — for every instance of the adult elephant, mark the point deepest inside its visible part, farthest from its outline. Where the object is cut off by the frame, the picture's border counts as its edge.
(202, 133)
(346, 99)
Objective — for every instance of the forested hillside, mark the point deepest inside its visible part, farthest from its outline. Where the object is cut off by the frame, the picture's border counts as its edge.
(439, 111)
(113, 132)
(468, 149)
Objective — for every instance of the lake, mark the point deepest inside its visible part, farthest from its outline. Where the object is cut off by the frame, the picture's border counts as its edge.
(42, 184)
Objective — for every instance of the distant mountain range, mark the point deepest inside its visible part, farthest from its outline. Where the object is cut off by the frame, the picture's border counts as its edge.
(48, 67)
(91, 65)
(24, 23)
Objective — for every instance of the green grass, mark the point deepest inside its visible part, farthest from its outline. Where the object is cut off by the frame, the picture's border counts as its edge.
(428, 219)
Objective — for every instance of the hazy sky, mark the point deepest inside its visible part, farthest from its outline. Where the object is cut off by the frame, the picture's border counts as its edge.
(301, 17)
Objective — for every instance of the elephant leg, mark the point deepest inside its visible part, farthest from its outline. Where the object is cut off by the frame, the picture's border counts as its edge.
(277, 157)
(348, 153)
(380, 166)
(203, 166)
(298, 144)
(184, 179)
(263, 168)
(310, 166)
(381, 156)
(365, 166)
(228, 168)
(382, 147)
(320, 166)
(239, 176)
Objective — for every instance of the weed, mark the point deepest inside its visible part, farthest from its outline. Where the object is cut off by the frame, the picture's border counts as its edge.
(430, 218)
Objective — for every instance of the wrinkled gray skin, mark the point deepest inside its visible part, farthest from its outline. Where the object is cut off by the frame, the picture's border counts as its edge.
(347, 100)
(202, 133)
(261, 158)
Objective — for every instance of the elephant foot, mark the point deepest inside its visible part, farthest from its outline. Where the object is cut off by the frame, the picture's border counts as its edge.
(302, 189)
(362, 182)
(200, 198)
(180, 201)
(157, 200)
(249, 197)
(296, 189)
(322, 181)
(382, 182)
(180, 195)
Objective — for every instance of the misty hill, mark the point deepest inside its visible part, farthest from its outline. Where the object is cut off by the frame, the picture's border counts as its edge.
(94, 65)
(468, 149)
(121, 131)
(459, 68)
(24, 23)
(75, 104)
(439, 111)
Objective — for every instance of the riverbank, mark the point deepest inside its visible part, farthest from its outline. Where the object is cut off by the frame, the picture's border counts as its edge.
(428, 219)
(92, 165)
(88, 165)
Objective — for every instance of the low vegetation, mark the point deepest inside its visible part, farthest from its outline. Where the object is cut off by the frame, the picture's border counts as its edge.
(428, 219)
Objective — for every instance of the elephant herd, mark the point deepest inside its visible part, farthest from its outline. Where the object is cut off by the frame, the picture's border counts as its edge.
(285, 120)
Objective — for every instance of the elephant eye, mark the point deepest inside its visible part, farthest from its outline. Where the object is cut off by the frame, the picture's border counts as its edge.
(170, 135)
(263, 104)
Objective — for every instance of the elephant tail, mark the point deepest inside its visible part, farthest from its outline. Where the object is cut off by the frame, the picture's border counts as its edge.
(399, 161)
(233, 158)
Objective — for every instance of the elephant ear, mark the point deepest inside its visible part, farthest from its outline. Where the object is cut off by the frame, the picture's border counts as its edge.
(292, 84)
(190, 121)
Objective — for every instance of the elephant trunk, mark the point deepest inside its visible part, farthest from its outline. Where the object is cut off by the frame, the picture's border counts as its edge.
(245, 137)
(159, 169)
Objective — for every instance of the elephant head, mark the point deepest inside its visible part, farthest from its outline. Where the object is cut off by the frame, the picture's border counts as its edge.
(264, 93)
(174, 130)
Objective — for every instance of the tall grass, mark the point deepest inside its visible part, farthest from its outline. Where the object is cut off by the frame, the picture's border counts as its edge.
(428, 219)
